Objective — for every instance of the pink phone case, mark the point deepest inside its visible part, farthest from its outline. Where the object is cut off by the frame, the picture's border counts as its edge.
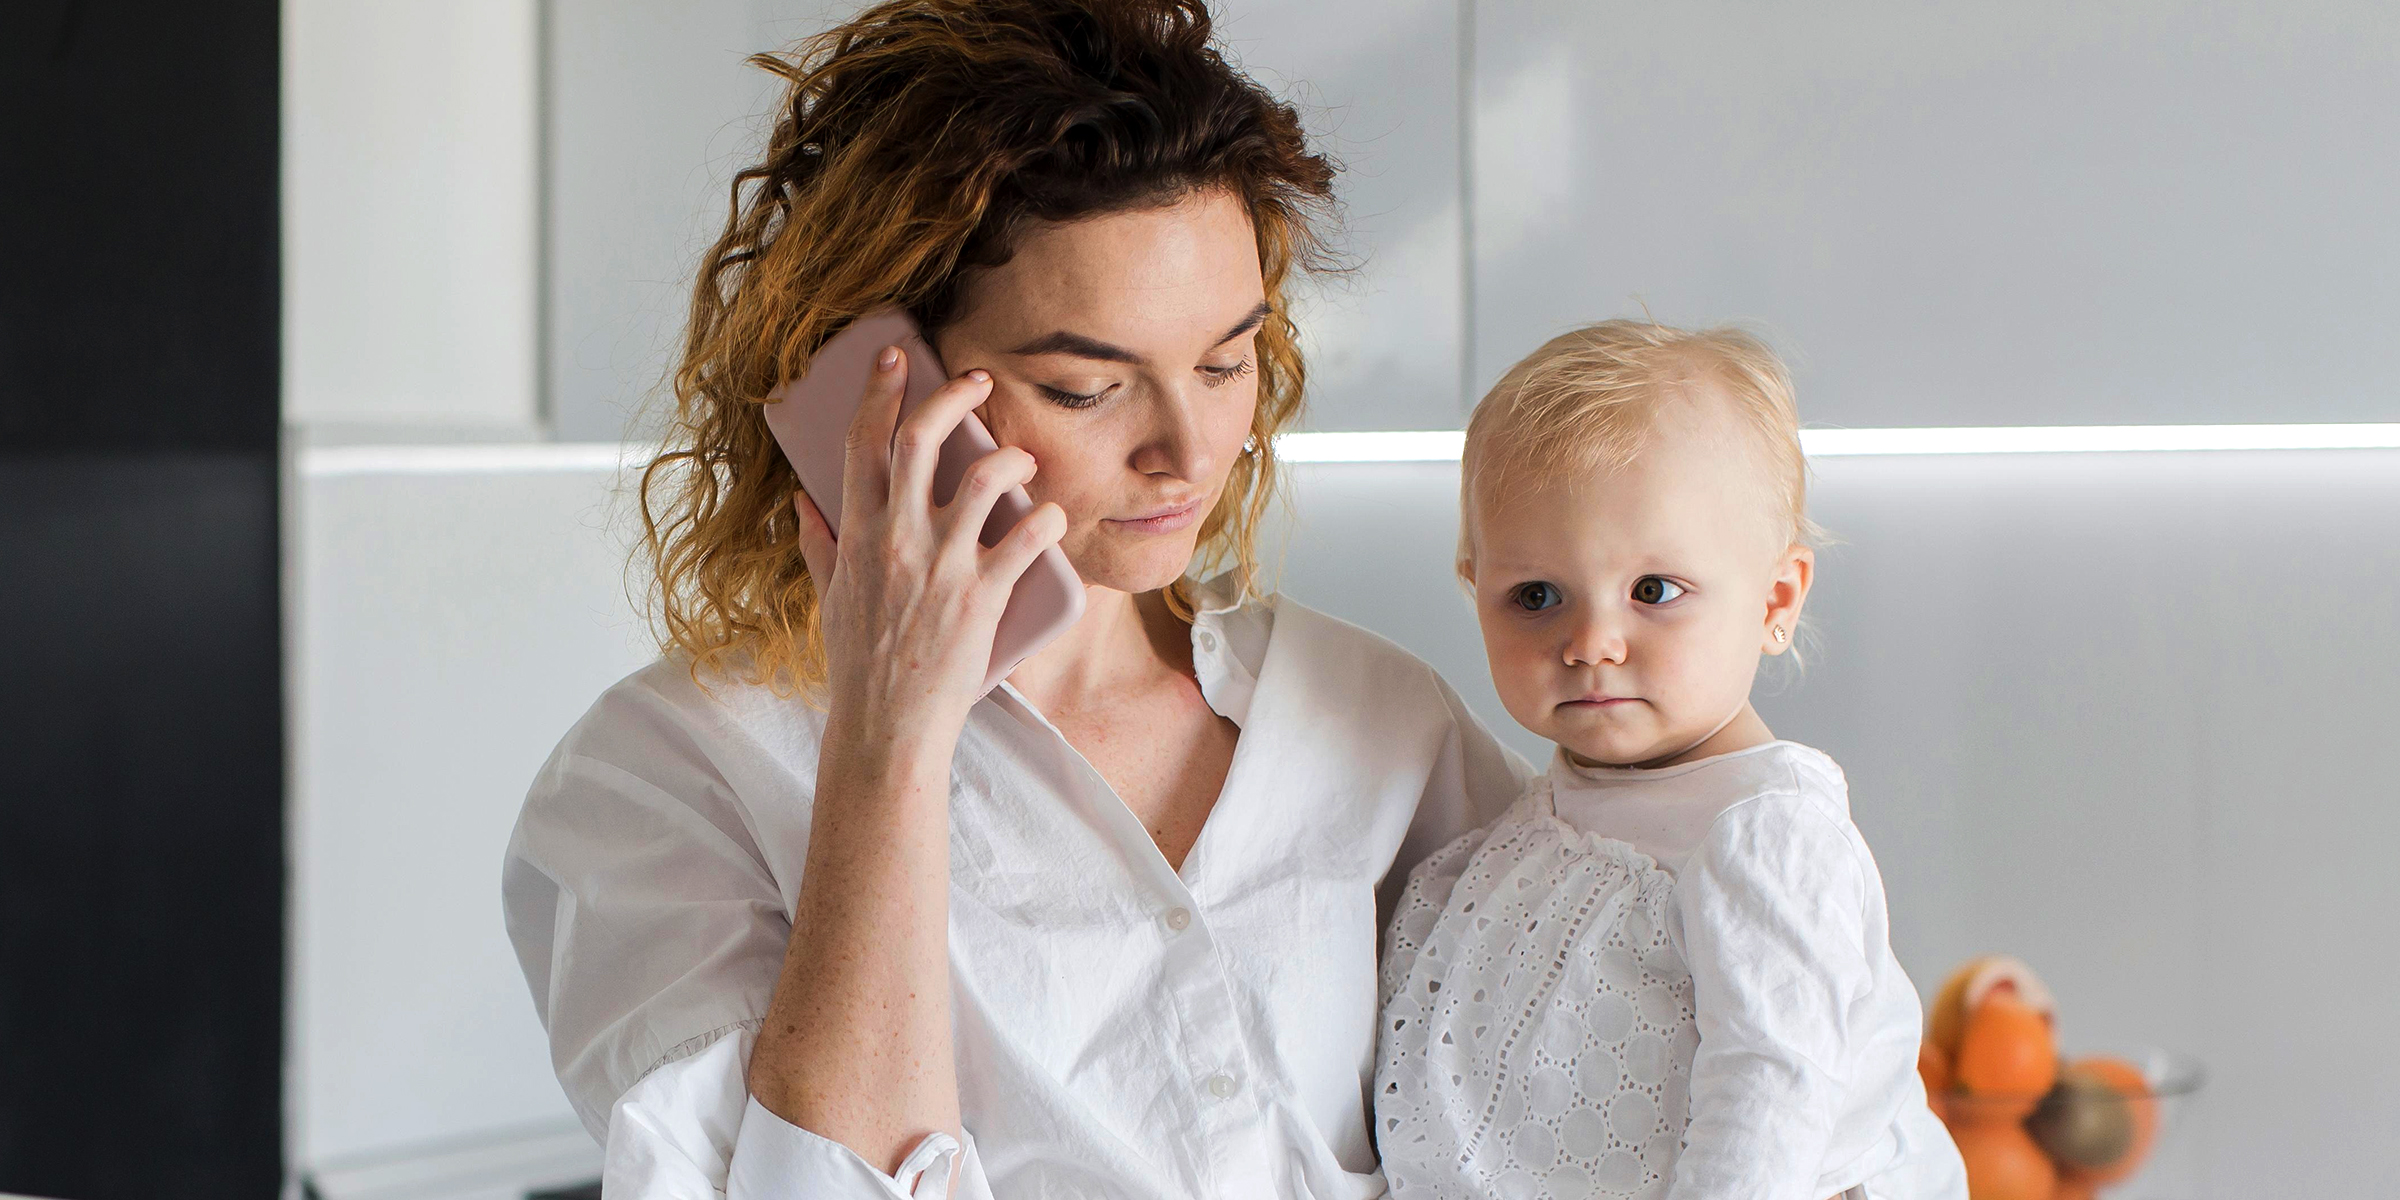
(810, 417)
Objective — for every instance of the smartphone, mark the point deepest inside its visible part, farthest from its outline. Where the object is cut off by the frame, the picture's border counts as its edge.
(810, 418)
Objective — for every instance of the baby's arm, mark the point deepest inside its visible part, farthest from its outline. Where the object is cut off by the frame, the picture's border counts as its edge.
(1772, 914)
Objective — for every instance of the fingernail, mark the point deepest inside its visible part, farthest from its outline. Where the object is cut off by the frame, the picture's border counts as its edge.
(980, 375)
(889, 358)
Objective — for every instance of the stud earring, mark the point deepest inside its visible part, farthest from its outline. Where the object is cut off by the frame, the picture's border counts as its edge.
(1780, 636)
(1250, 444)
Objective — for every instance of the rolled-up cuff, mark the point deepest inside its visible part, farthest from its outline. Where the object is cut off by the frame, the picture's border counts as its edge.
(774, 1159)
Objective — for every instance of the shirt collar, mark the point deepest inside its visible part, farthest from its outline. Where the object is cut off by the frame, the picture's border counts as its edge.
(1229, 634)
(1229, 642)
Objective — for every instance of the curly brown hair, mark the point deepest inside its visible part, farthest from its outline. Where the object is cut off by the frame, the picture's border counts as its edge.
(914, 143)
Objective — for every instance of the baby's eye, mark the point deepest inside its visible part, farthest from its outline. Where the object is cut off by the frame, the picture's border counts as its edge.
(1656, 589)
(1535, 596)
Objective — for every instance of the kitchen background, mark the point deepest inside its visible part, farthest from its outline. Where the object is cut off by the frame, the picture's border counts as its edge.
(2125, 712)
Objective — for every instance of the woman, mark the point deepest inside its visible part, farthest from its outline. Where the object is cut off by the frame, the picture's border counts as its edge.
(803, 913)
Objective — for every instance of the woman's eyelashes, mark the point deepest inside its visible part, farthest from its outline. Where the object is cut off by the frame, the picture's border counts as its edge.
(1220, 376)
(1209, 377)
(1066, 399)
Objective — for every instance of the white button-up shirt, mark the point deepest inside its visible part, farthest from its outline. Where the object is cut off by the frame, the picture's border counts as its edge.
(1121, 1029)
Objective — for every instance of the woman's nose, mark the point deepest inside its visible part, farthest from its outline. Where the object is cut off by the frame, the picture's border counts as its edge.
(1176, 443)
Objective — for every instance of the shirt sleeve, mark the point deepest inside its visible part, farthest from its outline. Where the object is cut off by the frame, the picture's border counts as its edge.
(1771, 914)
(1474, 779)
(691, 1129)
(652, 932)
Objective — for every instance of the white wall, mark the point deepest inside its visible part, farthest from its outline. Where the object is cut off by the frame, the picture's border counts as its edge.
(410, 204)
(449, 624)
(2041, 213)
(2062, 214)
(1377, 84)
(652, 111)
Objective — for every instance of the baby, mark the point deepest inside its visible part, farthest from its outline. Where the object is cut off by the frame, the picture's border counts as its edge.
(1665, 971)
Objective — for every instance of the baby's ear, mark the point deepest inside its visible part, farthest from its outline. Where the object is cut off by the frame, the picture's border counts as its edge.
(1787, 591)
(1466, 575)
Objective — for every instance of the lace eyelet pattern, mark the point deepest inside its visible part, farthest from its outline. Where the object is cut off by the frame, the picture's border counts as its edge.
(1537, 1030)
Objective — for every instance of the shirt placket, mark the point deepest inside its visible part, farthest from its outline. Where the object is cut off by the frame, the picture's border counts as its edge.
(1216, 1068)
(1228, 1100)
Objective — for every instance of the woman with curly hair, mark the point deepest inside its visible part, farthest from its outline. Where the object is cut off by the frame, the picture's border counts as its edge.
(804, 911)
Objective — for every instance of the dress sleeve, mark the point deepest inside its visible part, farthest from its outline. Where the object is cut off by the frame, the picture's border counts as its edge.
(651, 931)
(1771, 914)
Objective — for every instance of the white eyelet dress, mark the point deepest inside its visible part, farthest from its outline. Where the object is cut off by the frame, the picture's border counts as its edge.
(1540, 1044)
(1671, 984)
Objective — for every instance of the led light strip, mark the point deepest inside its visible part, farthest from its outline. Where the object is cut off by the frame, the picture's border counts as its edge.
(472, 458)
(1444, 445)
(2098, 439)
(1397, 446)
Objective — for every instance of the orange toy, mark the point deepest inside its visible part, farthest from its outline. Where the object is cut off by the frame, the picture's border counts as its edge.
(2006, 1057)
(2128, 1081)
(1934, 1068)
(1971, 984)
(2003, 1163)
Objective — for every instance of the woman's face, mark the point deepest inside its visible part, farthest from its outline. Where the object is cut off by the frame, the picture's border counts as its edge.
(1122, 355)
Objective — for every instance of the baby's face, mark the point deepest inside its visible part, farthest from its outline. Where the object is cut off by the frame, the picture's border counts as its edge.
(1624, 614)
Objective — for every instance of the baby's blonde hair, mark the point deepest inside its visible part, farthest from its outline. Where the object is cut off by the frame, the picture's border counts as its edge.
(1585, 402)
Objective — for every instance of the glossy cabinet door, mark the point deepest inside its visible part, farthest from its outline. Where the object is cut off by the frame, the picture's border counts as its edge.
(411, 200)
(651, 111)
(2021, 214)
(1377, 85)
(452, 619)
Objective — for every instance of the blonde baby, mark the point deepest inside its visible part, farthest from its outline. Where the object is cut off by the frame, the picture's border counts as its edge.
(1665, 971)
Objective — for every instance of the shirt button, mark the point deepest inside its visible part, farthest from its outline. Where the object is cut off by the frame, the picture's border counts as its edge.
(1179, 919)
(1220, 1085)
(1207, 640)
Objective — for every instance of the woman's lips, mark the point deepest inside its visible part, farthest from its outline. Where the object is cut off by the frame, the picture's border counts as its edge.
(1165, 520)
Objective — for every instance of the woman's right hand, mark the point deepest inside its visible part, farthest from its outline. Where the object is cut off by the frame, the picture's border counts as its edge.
(911, 600)
(910, 597)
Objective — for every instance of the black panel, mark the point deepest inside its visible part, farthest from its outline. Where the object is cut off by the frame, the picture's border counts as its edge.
(138, 273)
(141, 801)
(141, 828)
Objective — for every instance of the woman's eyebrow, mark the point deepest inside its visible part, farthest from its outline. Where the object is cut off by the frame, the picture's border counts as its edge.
(1249, 322)
(1063, 342)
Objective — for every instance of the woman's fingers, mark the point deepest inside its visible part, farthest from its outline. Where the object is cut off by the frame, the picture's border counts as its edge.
(985, 482)
(867, 449)
(816, 541)
(917, 445)
(1039, 531)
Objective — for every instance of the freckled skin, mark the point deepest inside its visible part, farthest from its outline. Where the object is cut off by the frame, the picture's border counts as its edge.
(864, 1053)
(1165, 284)
(1689, 520)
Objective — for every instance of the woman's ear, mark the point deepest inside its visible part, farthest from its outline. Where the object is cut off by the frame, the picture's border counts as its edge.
(1786, 592)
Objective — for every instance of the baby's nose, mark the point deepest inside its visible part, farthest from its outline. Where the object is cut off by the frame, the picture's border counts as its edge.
(1594, 641)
